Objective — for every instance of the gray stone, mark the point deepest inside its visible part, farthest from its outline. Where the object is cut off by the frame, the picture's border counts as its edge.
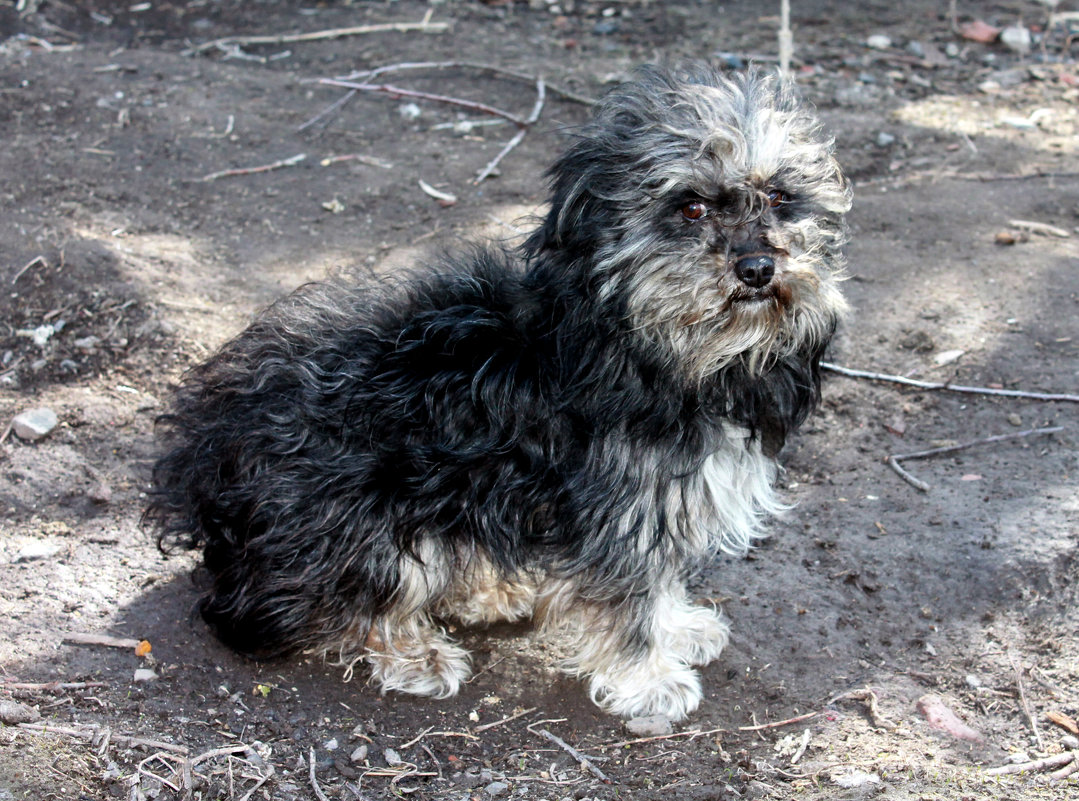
(33, 424)
(650, 726)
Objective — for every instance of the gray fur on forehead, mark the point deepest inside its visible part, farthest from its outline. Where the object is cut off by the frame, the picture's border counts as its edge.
(697, 128)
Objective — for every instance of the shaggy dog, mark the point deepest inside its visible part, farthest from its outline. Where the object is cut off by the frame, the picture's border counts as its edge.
(564, 433)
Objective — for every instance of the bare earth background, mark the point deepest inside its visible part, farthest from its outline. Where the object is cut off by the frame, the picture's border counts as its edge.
(871, 605)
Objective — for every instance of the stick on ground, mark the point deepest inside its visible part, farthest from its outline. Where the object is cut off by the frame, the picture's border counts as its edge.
(912, 382)
(289, 162)
(893, 460)
(92, 732)
(424, 26)
(541, 93)
(582, 760)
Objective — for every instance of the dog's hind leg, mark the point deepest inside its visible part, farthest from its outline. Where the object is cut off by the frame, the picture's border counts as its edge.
(479, 593)
(637, 652)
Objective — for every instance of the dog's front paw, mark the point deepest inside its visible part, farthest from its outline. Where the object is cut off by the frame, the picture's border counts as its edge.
(700, 636)
(435, 667)
(640, 690)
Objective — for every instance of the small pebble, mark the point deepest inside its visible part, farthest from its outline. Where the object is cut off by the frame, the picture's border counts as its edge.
(649, 726)
(884, 139)
(359, 754)
(1017, 38)
(33, 424)
(496, 788)
(36, 549)
(879, 41)
(1070, 741)
(12, 713)
(143, 675)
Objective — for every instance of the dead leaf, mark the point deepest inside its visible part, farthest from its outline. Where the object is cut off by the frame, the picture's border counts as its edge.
(939, 716)
(1064, 721)
(979, 31)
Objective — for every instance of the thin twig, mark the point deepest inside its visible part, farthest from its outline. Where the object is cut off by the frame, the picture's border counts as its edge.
(51, 686)
(289, 162)
(778, 723)
(425, 26)
(514, 716)
(399, 91)
(428, 732)
(336, 105)
(87, 638)
(894, 459)
(582, 760)
(562, 92)
(872, 705)
(314, 782)
(262, 780)
(1054, 761)
(145, 771)
(91, 733)
(369, 75)
(37, 260)
(1023, 700)
(912, 382)
(541, 93)
(1040, 228)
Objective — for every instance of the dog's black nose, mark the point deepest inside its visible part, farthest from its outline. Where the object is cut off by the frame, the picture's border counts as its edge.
(755, 271)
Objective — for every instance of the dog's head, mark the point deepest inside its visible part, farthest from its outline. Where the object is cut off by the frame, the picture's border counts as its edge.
(708, 210)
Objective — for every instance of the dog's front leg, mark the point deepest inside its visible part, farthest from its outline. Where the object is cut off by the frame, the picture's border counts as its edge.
(636, 652)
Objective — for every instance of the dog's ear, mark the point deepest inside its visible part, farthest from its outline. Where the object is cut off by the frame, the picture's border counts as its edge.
(590, 190)
(581, 214)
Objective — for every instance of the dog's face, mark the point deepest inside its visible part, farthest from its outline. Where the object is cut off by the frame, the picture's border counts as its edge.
(710, 209)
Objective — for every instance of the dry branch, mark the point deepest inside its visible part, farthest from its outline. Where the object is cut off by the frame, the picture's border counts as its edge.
(50, 686)
(582, 760)
(1054, 761)
(90, 734)
(289, 162)
(562, 92)
(311, 773)
(1031, 719)
(516, 140)
(514, 716)
(778, 723)
(912, 382)
(400, 91)
(81, 638)
(424, 26)
(893, 460)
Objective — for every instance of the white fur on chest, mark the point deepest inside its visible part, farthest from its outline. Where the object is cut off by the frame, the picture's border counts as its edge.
(727, 499)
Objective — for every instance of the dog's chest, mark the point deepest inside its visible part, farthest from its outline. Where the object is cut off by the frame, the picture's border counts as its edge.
(722, 504)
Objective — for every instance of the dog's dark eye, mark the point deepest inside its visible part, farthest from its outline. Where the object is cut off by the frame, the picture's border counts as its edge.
(693, 210)
(777, 197)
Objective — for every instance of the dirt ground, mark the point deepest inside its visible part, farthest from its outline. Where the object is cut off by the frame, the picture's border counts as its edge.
(873, 610)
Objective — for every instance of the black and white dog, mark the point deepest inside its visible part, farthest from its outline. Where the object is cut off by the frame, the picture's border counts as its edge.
(564, 433)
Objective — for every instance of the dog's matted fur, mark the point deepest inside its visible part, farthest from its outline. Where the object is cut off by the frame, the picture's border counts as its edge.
(565, 433)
